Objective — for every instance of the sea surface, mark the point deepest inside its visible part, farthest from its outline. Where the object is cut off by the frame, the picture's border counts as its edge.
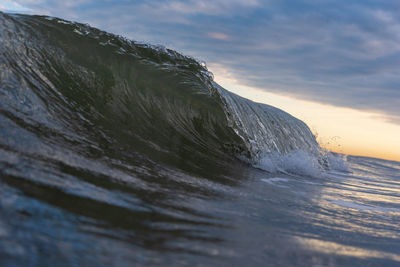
(119, 153)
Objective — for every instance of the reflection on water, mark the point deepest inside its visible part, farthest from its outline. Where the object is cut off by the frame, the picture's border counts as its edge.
(357, 213)
(168, 217)
(343, 250)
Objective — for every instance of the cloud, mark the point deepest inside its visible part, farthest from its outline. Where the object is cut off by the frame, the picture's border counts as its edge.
(342, 52)
(205, 7)
(218, 35)
(8, 5)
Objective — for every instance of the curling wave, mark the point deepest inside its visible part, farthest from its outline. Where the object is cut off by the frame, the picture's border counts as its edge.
(99, 95)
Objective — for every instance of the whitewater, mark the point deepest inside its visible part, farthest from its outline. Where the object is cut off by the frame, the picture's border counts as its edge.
(115, 152)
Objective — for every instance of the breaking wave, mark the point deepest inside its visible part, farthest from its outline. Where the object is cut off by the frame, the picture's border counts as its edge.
(101, 95)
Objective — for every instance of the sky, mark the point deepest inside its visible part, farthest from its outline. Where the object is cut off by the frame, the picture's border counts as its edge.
(335, 64)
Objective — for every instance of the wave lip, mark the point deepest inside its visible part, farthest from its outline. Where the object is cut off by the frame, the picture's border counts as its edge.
(267, 129)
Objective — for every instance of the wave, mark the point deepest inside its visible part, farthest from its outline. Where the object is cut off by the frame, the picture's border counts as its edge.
(68, 85)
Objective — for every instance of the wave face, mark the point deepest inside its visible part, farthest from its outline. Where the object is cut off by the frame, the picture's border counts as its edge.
(88, 87)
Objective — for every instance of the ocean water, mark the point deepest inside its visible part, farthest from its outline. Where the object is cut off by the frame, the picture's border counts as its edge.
(119, 153)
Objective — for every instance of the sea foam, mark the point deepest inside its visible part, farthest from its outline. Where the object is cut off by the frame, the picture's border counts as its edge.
(299, 162)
